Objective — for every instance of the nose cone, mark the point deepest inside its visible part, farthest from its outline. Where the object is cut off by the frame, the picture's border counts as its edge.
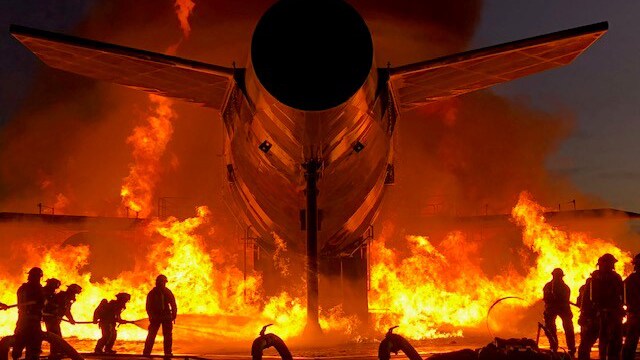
(312, 54)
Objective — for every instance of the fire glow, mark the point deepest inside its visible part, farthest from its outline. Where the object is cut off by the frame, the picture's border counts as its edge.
(446, 286)
(149, 141)
(421, 293)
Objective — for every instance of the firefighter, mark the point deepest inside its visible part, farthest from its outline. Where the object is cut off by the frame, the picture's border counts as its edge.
(28, 332)
(162, 310)
(556, 296)
(56, 309)
(587, 320)
(108, 316)
(605, 293)
(49, 289)
(632, 300)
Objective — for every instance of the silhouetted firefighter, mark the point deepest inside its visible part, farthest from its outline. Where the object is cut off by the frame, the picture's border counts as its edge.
(586, 320)
(57, 308)
(162, 310)
(50, 288)
(108, 315)
(632, 300)
(556, 296)
(603, 293)
(28, 332)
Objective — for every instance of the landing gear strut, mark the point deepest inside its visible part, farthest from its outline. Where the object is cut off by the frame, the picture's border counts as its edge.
(311, 175)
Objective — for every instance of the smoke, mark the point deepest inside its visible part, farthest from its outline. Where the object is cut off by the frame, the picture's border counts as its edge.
(184, 8)
(72, 137)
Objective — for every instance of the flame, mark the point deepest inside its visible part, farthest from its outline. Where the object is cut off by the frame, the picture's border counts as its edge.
(184, 8)
(439, 291)
(280, 259)
(203, 280)
(61, 204)
(149, 142)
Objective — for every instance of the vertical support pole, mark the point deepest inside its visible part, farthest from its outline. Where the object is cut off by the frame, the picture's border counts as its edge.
(311, 175)
(244, 266)
(341, 281)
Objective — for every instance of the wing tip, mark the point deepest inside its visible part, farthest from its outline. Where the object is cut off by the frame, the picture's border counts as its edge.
(597, 29)
(20, 30)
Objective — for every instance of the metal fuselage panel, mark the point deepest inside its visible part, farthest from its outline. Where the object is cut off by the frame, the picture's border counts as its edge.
(269, 186)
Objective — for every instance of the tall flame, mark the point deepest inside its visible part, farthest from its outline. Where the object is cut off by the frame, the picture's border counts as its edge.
(184, 8)
(149, 142)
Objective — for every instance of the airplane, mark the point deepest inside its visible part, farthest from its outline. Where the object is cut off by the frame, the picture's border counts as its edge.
(309, 120)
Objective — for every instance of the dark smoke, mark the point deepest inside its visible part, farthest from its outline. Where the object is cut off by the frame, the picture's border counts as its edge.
(68, 141)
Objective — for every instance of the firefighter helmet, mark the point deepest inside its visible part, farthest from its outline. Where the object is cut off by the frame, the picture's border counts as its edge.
(74, 289)
(123, 297)
(607, 259)
(557, 272)
(36, 271)
(54, 282)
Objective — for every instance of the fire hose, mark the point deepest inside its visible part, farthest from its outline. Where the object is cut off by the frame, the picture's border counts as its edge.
(141, 323)
(393, 343)
(7, 307)
(493, 305)
(553, 341)
(265, 341)
(8, 342)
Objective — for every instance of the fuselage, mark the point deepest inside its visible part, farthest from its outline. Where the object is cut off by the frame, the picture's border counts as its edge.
(310, 90)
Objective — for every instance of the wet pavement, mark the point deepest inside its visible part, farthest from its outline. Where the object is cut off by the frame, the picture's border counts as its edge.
(360, 350)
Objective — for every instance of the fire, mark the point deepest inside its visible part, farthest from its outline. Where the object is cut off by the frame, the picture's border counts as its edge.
(439, 291)
(62, 202)
(209, 289)
(184, 8)
(280, 259)
(149, 142)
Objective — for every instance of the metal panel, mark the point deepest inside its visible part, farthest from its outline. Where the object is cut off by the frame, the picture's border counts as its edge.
(422, 83)
(155, 73)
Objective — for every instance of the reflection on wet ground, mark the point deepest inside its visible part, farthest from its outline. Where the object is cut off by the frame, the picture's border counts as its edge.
(363, 349)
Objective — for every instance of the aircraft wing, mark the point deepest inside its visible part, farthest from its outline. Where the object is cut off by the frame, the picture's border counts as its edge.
(433, 80)
(155, 73)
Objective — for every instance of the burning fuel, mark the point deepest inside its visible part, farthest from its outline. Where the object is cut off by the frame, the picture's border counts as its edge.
(213, 297)
(149, 141)
(438, 291)
(444, 287)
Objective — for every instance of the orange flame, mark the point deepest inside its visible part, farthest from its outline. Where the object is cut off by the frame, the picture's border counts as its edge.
(204, 283)
(149, 142)
(280, 259)
(184, 8)
(440, 291)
